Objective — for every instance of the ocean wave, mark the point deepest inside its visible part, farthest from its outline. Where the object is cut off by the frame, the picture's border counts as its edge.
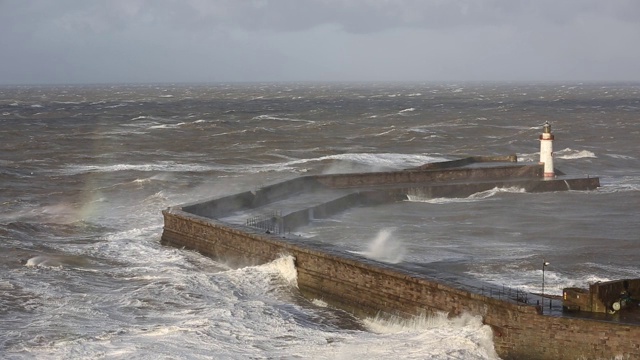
(571, 154)
(617, 272)
(57, 261)
(622, 157)
(532, 157)
(566, 154)
(418, 196)
(385, 132)
(467, 333)
(618, 187)
(168, 166)
(167, 126)
(528, 279)
(372, 161)
(281, 272)
(276, 118)
(392, 160)
(155, 198)
(350, 162)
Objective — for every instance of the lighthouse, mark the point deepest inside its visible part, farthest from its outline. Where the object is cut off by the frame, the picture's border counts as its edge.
(546, 150)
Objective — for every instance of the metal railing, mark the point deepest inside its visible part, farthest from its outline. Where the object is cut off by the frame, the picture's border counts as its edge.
(505, 292)
(271, 223)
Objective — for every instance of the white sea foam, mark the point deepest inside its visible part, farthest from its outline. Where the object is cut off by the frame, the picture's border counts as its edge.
(569, 153)
(319, 303)
(168, 166)
(619, 156)
(385, 132)
(529, 280)
(531, 157)
(57, 261)
(61, 213)
(389, 160)
(116, 106)
(167, 126)
(618, 186)
(285, 267)
(467, 333)
(270, 117)
(416, 196)
(616, 271)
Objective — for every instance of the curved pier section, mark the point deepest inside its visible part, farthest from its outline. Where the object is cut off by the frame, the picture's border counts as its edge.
(242, 230)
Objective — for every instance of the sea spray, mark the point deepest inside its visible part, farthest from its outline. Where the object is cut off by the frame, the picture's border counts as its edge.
(385, 247)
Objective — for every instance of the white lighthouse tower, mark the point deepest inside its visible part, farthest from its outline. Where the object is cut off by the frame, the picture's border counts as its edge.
(546, 150)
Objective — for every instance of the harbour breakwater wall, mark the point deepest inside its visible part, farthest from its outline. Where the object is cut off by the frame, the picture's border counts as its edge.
(368, 288)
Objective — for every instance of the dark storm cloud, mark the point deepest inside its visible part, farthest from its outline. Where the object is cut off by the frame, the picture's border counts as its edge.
(230, 40)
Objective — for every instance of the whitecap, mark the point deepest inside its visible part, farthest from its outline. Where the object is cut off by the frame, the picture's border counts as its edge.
(115, 106)
(619, 156)
(56, 261)
(276, 118)
(169, 166)
(416, 195)
(385, 132)
(569, 153)
(164, 126)
(319, 303)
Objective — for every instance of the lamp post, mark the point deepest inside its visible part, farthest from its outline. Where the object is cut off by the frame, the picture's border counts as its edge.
(544, 265)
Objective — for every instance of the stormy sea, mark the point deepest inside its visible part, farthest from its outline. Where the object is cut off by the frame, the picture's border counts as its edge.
(85, 172)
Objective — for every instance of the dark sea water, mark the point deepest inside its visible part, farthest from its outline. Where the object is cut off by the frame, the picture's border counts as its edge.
(86, 170)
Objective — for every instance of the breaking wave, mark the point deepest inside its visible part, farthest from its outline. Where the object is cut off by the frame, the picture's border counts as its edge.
(570, 154)
(467, 333)
(419, 196)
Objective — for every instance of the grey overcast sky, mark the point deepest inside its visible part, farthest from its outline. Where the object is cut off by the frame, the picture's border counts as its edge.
(150, 41)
